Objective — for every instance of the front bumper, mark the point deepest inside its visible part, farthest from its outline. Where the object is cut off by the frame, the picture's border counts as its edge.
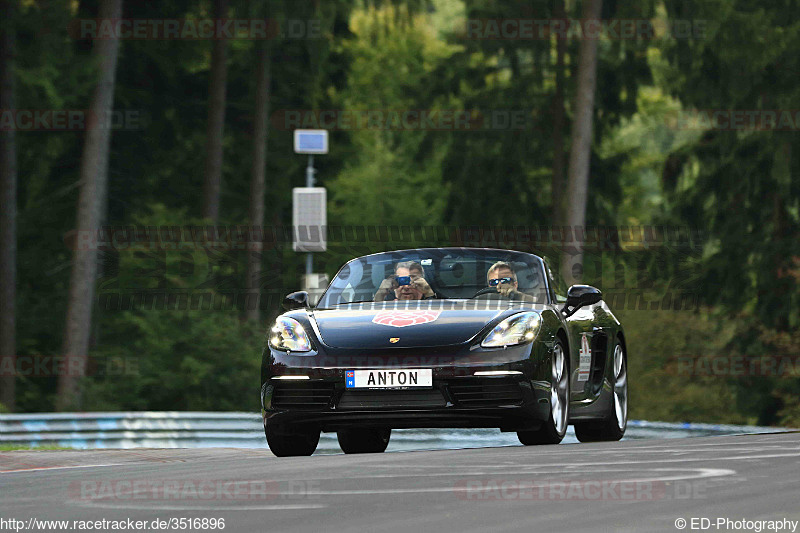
(510, 403)
(458, 397)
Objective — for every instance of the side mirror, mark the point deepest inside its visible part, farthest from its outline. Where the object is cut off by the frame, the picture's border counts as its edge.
(579, 296)
(295, 300)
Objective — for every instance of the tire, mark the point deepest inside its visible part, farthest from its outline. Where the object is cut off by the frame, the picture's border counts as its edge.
(364, 440)
(613, 426)
(302, 443)
(552, 431)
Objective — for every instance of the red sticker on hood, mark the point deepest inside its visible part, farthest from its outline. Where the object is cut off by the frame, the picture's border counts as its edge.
(401, 319)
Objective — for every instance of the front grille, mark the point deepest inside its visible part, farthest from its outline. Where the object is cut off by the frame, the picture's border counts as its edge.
(486, 392)
(395, 399)
(310, 395)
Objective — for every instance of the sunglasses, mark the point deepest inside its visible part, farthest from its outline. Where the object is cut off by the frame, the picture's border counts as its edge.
(497, 281)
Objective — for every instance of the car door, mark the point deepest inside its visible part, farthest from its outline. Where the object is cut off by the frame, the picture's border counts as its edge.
(584, 339)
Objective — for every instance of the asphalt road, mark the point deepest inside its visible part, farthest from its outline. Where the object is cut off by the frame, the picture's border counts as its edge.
(627, 486)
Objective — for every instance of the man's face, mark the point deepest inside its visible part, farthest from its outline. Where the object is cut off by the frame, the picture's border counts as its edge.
(408, 292)
(500, 273)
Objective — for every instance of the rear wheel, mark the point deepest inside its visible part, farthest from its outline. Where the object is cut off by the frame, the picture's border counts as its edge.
(613, 426)
(552, 431)
(294, 444)
(364, 440)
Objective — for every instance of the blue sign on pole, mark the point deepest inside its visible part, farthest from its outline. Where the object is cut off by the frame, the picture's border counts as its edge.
(311, 141)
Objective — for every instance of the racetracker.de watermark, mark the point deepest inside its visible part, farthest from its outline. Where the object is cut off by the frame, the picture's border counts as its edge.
(579, 490)
(46, 366)
(253, 238)
(403, 119)
(773, 365)
(531, 29)
(191, 490)
(182, 299)
(735, 120)
(196, 29)
(71, 120)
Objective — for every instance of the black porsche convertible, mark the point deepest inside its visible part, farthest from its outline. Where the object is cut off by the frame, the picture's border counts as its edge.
(443, 337)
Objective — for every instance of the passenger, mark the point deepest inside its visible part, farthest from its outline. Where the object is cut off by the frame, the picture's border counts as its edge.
(502, 277)
(407, 283)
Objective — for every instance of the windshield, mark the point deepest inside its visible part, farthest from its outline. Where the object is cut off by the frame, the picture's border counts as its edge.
(427, 274)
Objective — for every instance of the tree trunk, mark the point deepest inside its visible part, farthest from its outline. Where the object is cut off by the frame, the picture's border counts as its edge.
(559, 118)
(580, 151)
(258, 177)
(93, 178)
(216, 120)
(8, 213)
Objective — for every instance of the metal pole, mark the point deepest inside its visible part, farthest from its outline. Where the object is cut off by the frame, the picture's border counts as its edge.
(309, 183)
(310, 171)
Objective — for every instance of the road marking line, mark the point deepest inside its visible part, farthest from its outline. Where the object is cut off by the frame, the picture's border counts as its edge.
(702, 473)
(690, 459)
(286, 507)
(42, 468)
(495, 472)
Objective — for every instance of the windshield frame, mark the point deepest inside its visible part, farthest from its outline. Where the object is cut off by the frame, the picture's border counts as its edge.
(548, 289)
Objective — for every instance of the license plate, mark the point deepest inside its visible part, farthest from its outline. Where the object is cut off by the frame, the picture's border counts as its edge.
(388, 379)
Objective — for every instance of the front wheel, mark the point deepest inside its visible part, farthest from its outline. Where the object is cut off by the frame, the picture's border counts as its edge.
(613, 426)
(554, 428)
(295, 444)
(364, 440)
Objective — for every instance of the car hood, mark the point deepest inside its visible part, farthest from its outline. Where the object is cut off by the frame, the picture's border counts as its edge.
(379, 328)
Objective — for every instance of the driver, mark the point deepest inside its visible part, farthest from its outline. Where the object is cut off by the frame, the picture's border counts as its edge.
(502, 277)
(407, 283)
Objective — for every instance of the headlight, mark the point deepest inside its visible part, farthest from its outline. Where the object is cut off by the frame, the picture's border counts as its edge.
(517, 329)
(288, 334)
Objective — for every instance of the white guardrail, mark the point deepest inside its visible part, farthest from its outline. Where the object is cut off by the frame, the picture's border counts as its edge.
(132, 429)
(244, 430)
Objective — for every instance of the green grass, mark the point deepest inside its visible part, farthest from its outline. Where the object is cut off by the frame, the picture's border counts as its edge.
(15, 447)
